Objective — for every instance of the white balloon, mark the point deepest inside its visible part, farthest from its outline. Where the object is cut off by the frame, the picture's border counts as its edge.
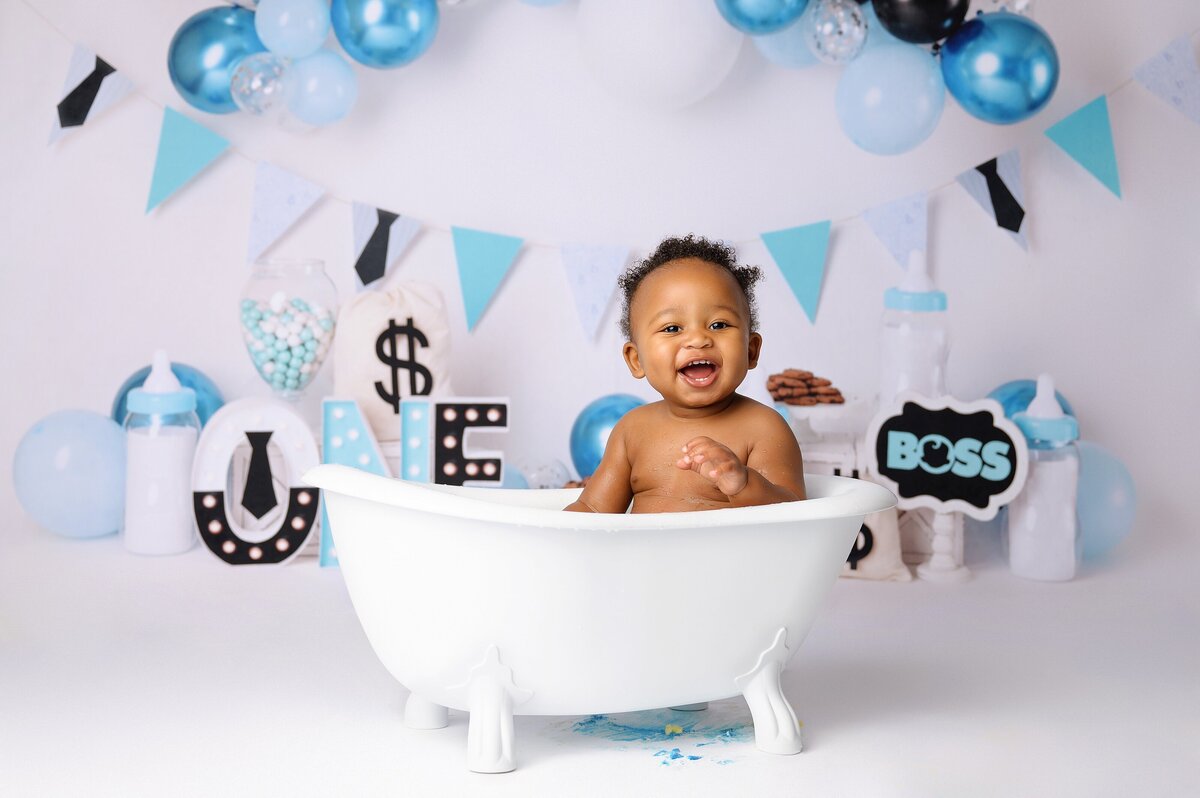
(664, 54)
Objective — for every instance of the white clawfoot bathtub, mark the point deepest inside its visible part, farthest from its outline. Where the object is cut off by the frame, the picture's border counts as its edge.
(498, 603)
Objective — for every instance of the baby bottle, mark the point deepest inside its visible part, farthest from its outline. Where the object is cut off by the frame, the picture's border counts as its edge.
(1043, 534)
(160, 438)
(915, 342)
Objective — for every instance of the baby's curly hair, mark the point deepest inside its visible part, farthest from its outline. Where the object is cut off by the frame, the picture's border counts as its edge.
(717, 253)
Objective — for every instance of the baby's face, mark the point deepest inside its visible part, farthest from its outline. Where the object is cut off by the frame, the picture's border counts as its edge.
(690, 325)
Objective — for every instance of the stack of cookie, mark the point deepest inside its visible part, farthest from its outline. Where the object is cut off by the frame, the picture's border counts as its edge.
(799, 387)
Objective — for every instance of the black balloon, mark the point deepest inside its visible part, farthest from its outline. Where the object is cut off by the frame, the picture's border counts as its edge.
(921, 21)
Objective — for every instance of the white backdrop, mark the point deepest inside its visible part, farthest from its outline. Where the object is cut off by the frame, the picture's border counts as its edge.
(501, 127)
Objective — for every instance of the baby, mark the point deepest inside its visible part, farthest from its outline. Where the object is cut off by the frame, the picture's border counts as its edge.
(689, 318)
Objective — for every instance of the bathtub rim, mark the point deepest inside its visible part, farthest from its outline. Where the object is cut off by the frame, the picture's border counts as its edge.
(856, 497)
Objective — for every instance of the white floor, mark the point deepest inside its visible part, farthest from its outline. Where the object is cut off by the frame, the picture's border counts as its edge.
(181, 676)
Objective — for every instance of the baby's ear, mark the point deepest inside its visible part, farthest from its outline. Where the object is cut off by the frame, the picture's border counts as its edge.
(754, 349)
(630, 353)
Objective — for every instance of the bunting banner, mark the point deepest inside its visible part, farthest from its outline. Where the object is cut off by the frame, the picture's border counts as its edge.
(380, 238)
(185, 149)
(1173, 76)
(280, 199)
(592, 271)
(901, 225)
(996, 186)
(483, 261)
(1086, 136)
(92, 85)
(800, 252)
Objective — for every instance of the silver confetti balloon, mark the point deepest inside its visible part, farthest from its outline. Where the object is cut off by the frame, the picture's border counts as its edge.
(259, 84)
(835, 30)
(1022, 7)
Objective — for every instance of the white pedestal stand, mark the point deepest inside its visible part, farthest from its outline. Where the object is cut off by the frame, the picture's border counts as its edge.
(941, 565)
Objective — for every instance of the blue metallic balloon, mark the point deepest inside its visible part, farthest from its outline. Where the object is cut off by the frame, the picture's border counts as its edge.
(757, 17)
(890, 98)
(1107, 500)
(205, 51)
(384, 33)
(208, 396)
(1015, 396)
(589, 433)
(69, 473)
(1002, 68)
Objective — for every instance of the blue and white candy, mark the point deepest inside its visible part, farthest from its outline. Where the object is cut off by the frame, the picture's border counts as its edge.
(288, 339)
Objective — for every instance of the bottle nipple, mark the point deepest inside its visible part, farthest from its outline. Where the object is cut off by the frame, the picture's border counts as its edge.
(161, 379)
(916, 274)
(1044, 404)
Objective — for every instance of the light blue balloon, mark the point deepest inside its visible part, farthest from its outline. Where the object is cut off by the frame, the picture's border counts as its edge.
(1002, 68)
(384, 33)
(757, 17)
(324, 88)
(208, 395)
(890, 98)
(1015, 396)
(513, 478)
(589, 433)
(1107, 500)
(205, 51)
(877, 34)
(69, 473)
(292, 28)
(787, 47)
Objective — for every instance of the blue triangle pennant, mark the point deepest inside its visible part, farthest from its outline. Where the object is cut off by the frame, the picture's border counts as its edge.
(483, 261)
(185, 148)
(800, 254)
(1086, 136)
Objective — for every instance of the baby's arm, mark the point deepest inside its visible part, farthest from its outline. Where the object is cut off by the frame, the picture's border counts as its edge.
(609, 489)
(774, 468)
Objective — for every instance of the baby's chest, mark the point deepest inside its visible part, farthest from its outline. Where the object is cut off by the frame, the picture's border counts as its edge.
(655, 457)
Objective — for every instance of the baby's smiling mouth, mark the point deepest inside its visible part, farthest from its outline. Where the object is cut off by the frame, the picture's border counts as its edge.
(699, 372)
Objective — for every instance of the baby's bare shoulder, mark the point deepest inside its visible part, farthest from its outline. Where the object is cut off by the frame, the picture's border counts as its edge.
(750, 411)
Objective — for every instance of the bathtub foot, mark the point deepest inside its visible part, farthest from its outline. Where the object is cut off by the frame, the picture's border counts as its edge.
(775, 728)
(491, 694)
(691, 707)
(420, 713)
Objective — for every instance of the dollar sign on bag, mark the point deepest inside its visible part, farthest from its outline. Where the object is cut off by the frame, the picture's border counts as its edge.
(388, 348)
(862, 546)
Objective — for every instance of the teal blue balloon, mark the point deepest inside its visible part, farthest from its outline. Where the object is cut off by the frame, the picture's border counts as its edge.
(205, 51)
(589, 433)
(1015, 396)
(292, 28)
(1001, 68)
(757, 17)
(208, 395)
(323, 88)
(890, 98)
(384, 33)
(1107, 500)
(69, 473)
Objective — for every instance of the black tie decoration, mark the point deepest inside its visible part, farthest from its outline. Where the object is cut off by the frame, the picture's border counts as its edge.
(74, 108)
(259, 496)
(1009, 213)
(372, 261)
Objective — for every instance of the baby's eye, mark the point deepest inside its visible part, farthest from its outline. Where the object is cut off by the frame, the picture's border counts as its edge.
(672, 328)
(718, 325)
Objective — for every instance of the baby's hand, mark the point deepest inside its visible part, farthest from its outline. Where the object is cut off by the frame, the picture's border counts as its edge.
(714, 461)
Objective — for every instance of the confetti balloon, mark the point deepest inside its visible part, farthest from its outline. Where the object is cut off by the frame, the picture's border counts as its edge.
(69, 473)
(259, 84)
(836, 30)
(205, 51)
(589, 434)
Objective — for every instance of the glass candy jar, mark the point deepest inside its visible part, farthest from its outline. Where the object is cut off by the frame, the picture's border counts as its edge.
(289, 312)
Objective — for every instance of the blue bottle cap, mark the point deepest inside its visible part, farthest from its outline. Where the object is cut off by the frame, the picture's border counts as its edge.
(916, 292)
(1044, 419)
(161, 394)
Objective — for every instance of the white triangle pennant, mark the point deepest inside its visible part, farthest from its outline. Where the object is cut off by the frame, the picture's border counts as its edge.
(592, 271)
(901, 225)
(397, 235)
(280, 199)
(74, 113)
(1174, 77)
(1008, 169)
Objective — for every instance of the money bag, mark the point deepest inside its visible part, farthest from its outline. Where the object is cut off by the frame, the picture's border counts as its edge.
(392, 345)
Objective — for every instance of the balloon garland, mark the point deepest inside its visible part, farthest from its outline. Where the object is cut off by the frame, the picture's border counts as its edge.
(900, 57)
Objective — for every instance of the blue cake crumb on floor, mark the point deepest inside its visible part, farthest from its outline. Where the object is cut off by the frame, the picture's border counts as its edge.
(688, 734)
